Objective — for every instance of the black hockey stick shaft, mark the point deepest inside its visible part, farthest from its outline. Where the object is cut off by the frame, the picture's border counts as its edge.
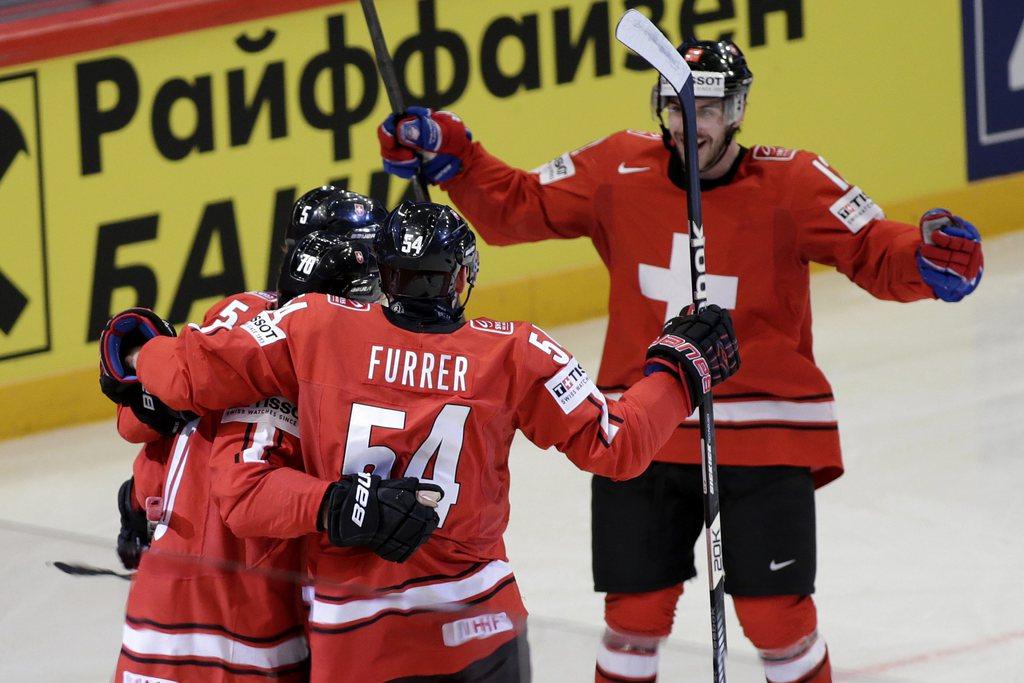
(709, 454)
(386, 68)
(640, 35)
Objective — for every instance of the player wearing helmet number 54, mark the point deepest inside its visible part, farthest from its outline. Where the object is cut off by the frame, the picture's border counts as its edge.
(415, 389)
(768, 213)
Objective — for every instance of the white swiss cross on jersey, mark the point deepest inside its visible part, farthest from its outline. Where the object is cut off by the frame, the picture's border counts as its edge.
(672, 284)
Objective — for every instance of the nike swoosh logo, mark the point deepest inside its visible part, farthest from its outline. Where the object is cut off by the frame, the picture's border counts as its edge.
(781, 565)
(625, 170)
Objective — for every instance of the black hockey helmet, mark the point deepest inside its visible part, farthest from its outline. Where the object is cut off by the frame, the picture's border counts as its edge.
(719, 70)
(427, 257)
(330, 263)
(340, 211)
(340, 260)
(300, 226)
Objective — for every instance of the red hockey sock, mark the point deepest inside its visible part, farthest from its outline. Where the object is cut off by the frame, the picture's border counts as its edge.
(643, 614)
(637, 622)
(784, 630)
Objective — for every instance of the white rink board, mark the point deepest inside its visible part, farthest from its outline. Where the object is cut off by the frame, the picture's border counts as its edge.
(920, 554)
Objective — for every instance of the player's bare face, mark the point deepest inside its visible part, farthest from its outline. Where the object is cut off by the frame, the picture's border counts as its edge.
(712, 130)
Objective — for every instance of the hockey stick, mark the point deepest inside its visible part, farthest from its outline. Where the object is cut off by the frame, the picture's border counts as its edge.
(386, 67)
(78, 569)
(637, 33)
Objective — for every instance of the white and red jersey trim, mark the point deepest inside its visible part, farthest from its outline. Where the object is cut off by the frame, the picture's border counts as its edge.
(209, 646)
(772, 411)
(775, 411)
(439, 595)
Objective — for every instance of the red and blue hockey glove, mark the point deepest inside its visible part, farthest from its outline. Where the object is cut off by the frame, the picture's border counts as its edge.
(122, 334)
(386, 515)
(698, 348)
(949, 258)
(398, 160)
(434, 142)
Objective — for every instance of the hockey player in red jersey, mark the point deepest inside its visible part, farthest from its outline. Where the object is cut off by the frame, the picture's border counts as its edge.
(206, 605)
(768, 213)
(416, 389)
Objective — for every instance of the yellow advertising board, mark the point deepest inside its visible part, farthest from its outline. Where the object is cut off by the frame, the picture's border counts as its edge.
(154, 162)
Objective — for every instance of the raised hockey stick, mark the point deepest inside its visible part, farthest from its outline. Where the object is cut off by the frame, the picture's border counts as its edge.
(637, 33)
(386, 68)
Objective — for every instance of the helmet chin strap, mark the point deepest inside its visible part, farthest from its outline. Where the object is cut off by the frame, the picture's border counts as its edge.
(725, 148)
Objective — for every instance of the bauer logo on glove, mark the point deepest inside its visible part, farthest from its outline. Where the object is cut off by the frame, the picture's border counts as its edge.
(691, 353)
(699, 348)
(391, 517)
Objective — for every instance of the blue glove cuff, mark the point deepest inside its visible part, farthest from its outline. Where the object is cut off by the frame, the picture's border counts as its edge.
(442, 167)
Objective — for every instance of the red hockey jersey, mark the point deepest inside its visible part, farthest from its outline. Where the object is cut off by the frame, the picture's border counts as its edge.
(775, 212)
(204, 604)
(443, 407)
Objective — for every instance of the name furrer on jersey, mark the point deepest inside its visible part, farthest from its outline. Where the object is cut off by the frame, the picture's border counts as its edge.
(417, 369)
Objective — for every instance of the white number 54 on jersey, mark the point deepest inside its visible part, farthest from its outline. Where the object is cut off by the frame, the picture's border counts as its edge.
(444, 441)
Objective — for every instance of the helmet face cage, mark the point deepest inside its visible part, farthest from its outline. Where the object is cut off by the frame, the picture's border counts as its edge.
(470, 263)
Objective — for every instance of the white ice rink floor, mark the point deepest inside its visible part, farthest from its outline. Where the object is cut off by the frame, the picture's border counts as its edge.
(921, 552)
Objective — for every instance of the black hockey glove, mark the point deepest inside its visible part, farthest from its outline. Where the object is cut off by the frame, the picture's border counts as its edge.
(699, 347)
(134, 537)
(381, 514)
(147, 408)
(123, 333)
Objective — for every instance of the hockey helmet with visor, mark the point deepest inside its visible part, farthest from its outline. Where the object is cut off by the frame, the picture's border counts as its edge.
(719, 71)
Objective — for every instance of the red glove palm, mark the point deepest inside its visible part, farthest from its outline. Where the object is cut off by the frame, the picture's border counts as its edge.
(950, 258)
